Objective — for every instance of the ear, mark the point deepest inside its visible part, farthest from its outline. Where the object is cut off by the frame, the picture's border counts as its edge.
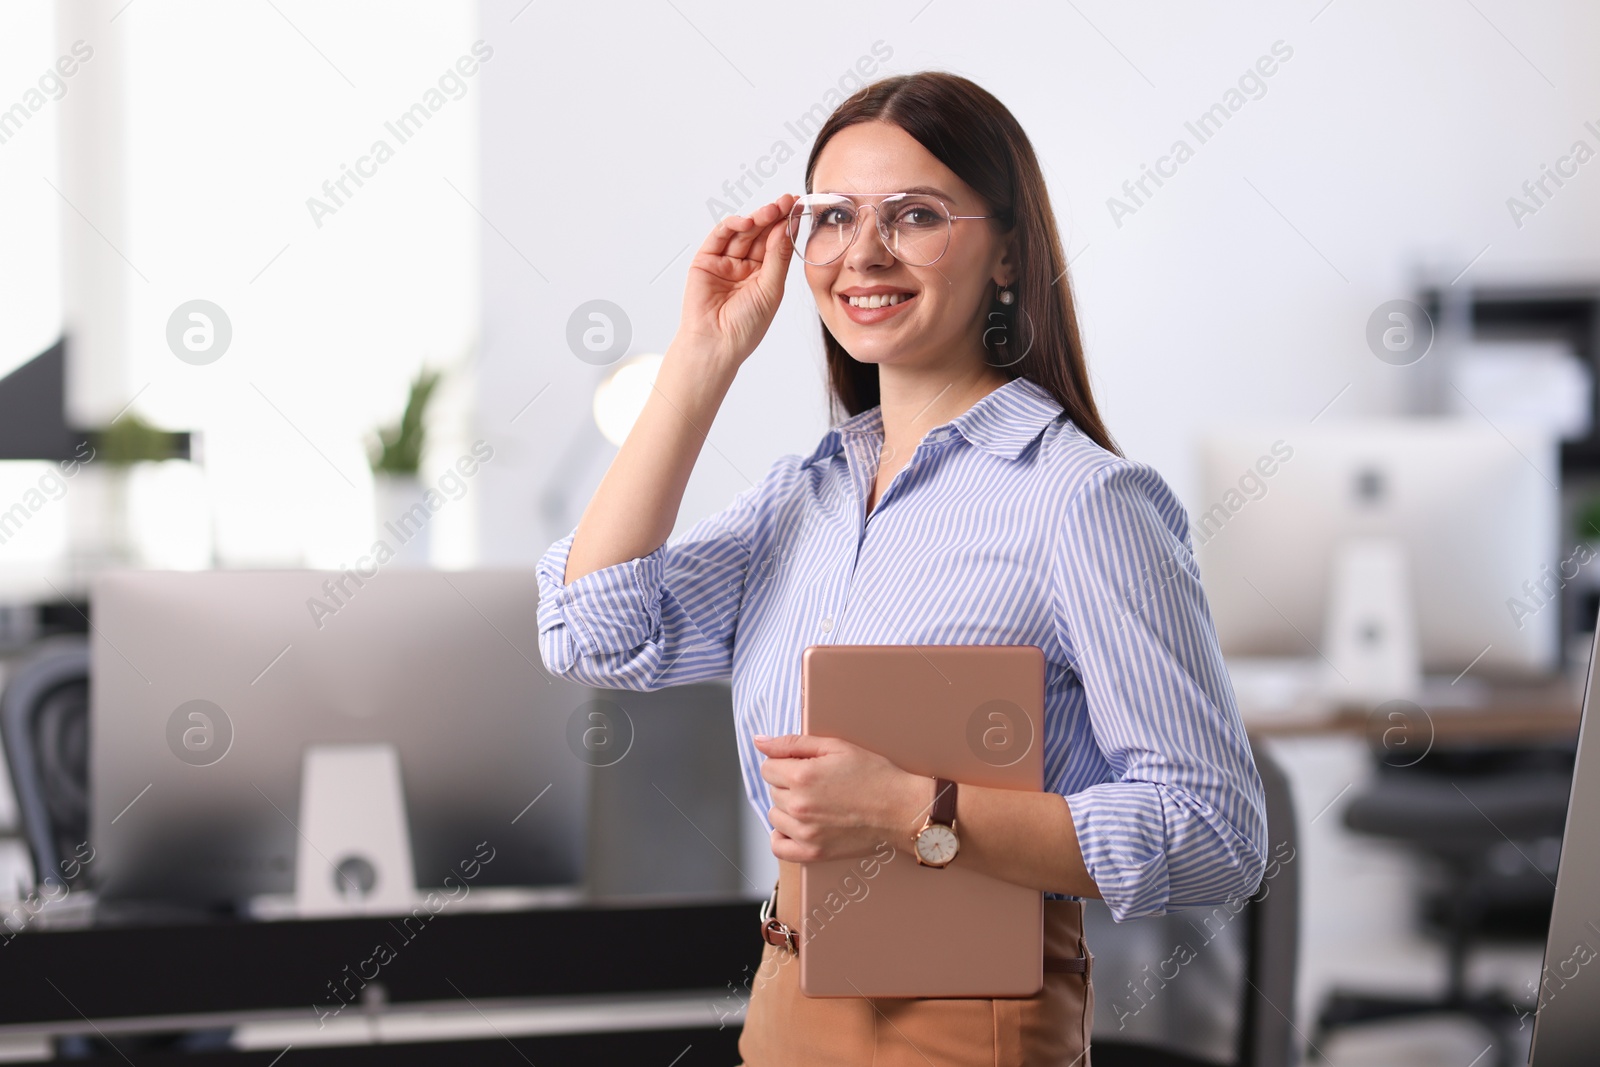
(1005, 271)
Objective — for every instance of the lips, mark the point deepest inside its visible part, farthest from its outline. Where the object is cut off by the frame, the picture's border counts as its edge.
(877, 304)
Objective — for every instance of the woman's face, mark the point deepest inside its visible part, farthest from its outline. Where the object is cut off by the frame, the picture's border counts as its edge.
(941, 312)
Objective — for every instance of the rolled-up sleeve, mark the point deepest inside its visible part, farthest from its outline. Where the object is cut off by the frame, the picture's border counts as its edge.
(666, 618)
(1183, 823)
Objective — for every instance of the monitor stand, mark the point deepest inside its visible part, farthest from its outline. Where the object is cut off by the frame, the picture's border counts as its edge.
(1370, 634)
(353, 856)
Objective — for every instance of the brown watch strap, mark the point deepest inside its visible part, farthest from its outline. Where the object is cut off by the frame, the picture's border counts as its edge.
(944, 802)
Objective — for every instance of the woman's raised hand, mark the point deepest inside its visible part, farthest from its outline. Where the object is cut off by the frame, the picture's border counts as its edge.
(736, 282)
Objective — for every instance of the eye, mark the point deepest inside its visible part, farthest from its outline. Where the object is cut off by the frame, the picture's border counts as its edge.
(833, 216)
(918, 216)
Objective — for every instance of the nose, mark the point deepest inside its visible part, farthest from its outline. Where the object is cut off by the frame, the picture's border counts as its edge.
(868, 251)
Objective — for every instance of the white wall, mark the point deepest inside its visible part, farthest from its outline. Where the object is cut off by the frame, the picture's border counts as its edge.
(30, 270)
(1391, 138)
(186, 149)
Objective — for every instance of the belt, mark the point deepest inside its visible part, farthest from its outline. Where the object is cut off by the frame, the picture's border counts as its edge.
(774, 931)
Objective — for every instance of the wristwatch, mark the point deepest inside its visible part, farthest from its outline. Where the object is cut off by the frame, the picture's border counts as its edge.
(936, 844)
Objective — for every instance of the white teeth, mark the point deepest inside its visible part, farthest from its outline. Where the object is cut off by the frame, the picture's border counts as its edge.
(878, 300)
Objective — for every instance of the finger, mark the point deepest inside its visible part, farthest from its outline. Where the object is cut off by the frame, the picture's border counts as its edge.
(775, 263)
(762, 239)
(785, 848)
(716, 242)
(778, 773)
(797, 746)
(746, 239)
(730, 226)
(786, 824)
(751, 243)
(767, 214)
(779, 793)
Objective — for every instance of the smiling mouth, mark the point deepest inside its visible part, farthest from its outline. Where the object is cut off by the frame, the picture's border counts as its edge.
(878, 300)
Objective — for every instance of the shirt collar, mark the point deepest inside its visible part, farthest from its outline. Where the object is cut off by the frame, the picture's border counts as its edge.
(1003, 423)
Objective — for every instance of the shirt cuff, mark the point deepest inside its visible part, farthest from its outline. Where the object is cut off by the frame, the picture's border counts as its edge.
(611, 610)
(1122, 834)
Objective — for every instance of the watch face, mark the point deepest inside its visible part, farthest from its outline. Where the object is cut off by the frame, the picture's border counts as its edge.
(937, 845)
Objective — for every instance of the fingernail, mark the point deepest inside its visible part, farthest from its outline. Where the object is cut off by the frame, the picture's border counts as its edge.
(762, 737)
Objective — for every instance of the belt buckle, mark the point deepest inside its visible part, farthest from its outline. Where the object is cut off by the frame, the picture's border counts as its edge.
(775, 931)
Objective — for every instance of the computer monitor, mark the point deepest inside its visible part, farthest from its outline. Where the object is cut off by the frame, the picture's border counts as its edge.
(442, 666)
(1474, 508)
(1566, 1031)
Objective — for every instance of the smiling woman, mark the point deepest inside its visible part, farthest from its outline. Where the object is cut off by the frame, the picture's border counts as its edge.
(980, 148)
(970, 495)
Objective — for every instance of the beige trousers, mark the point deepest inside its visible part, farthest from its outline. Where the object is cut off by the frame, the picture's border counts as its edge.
(785, 1028)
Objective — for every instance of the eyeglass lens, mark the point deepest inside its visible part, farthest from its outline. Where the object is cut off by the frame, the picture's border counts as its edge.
(916, 229)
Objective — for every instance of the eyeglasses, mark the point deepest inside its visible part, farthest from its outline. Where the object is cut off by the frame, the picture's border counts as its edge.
(915, 227)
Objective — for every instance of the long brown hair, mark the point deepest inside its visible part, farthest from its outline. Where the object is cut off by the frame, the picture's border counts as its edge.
(974, 134)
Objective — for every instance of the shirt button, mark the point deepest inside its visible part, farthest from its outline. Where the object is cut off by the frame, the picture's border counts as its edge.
(827, 624)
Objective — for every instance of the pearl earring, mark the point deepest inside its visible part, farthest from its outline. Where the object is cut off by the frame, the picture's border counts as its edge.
(1007, 297)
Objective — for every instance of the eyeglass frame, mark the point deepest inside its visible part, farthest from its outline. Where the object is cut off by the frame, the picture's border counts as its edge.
(877, 216)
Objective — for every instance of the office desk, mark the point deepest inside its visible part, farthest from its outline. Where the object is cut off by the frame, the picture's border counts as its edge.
(1498, 724)
(654, 981)
(1542, 713)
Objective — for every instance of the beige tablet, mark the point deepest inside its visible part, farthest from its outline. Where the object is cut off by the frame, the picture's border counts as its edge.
(886, 926)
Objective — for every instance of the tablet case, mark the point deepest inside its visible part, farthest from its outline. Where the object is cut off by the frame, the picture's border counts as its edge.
(973, 714)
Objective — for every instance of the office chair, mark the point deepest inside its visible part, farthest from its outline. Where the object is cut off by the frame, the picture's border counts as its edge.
(1223, 991)
(44, 722)
(1490, 822)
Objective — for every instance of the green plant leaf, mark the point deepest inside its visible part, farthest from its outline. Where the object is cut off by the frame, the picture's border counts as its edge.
(131, 440)
(1588, 520)
(398, 449)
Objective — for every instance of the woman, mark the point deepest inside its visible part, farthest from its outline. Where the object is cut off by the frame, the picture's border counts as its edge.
(971, 496)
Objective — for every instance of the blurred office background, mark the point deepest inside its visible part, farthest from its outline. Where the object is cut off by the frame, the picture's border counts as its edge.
(525, 235)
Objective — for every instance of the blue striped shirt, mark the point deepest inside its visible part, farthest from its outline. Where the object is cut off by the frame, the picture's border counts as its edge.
(1008, 526)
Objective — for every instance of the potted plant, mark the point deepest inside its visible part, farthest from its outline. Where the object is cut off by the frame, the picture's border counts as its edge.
(395, 453)
(100, 514)
(1587, 522)
(1578, 567)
